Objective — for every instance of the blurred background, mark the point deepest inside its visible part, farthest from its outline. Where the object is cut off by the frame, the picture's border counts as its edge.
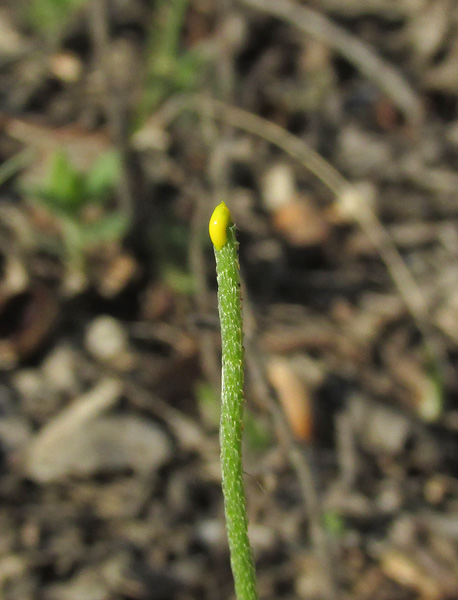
(330, 128)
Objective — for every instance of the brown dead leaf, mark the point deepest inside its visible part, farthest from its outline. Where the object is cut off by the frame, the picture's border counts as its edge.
(293, 395)
(301, 224)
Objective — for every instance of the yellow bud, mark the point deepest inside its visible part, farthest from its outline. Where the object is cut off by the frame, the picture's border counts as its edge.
(219, 222)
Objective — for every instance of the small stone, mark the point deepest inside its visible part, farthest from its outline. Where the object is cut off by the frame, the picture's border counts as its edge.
(105, 445)
(278, 186)
(66, 66)
(106, 339)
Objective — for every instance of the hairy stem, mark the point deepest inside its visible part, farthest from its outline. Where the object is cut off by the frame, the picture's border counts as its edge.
(230, 312)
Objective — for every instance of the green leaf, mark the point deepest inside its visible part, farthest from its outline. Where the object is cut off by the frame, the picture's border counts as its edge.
(103, 176)
(48, 16)
(64, 188)
(163, 53)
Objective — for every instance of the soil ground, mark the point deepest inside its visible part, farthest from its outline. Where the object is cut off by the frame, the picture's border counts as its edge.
(330, 128)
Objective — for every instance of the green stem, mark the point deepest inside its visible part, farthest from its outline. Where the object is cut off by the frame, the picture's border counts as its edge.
(230, 312)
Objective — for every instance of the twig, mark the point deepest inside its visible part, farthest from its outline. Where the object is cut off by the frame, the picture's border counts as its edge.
(354, 50)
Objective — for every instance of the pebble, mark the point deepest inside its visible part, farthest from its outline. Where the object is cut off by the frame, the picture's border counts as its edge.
(106, 339)
(278, 186)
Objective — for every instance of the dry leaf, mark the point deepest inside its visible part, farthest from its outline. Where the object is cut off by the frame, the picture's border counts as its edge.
(301, 224)
(293, 395)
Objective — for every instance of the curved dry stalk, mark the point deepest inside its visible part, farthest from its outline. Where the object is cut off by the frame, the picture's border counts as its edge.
(384, 75)
(280, 137)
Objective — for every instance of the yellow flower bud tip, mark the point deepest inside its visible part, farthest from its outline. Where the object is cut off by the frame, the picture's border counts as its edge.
(219, 222)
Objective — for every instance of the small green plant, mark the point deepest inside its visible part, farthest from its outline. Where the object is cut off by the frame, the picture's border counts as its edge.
(169, 69)
(222, 234)
(48, 17)
(70, 196)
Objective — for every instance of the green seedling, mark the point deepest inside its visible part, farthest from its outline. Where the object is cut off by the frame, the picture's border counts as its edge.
(169, 69)
(48, 17)
(222, 234)
(68, 194)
